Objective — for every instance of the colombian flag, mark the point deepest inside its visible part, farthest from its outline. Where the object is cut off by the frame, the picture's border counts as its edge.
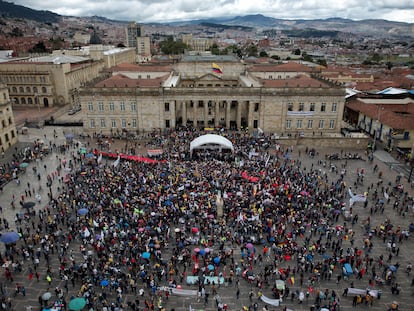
(216, 68)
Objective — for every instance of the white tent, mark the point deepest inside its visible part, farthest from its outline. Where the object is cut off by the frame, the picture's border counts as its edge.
(211, 141)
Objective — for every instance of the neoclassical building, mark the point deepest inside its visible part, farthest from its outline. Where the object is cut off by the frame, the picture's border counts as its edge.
(8, 133)
(208, 91)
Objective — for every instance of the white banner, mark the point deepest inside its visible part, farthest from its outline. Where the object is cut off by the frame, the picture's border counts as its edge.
(273, 302)
(184, 292)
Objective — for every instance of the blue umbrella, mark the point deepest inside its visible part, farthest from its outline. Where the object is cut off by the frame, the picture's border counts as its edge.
(210, 267)
(10, 237)
(82, 211)
(326, 256)
(69, 136)
(23, 165)
(393, 268)
(104, 283)
(146, 255)
(202, 252)
(216, 260)
(89, 155)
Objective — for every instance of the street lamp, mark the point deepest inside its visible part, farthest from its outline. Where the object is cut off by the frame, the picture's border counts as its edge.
(377, 130)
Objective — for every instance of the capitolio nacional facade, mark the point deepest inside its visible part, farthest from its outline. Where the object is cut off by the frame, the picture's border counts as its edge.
(209, 91)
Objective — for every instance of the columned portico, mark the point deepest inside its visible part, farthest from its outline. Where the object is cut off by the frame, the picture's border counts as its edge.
(217, 114)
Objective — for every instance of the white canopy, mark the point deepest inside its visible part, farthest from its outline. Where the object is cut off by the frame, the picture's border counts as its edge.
(211, 141)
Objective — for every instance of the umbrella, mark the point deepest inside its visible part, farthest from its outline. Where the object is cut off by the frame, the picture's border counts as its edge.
(207, 250)
(146, 255)
(202, 252)
(69, 136)
(210, 267)
(249, 245)
(77, 304)
(104, 283)
(194, 230)
(28, 204)
(23, 165)
(9, 237)
(196, 250)
(46, 296)
(393, 268)
(117, 201)
(89, 155)
(216, 260)
(82, 211)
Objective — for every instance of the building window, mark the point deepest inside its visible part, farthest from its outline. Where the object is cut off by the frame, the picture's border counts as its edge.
(92, 124)
(101, 106)
(133, 106)
(288, 124)
(331, 124)
(166, 106)
(113, 123)
(167, 124)
(122, 105)
(334, 105)
(134, 123)
(90, 106)
(111, 106)
(323, 107)
(256, 107)
(255, 124)
(123, 123)
(103, 123)
(310, 124)
(44, 90)
(6, 137)
(12, 134)
(299, 124)
(290, 106)
(301, 106)
(200, 104)
(321, 124)
(312, 107)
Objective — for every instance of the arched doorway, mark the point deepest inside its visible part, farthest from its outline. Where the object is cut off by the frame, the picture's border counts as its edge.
(45, 102)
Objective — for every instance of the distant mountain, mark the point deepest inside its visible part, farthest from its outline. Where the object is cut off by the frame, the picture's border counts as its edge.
(11, 10)
(375, 27)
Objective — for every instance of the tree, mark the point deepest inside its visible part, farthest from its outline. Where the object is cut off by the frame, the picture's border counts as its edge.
(38, 48)
(251, 50)
(16, 32)
(170, 46)
(322, 62)
(297, 52)
(306, 57)
(215, 49)
(277, 57)
(263, 54)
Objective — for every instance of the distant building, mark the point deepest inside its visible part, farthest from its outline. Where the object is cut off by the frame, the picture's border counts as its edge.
(388, 118)
(213, 91)
(197, 44)
(8, 133)
(133, 31)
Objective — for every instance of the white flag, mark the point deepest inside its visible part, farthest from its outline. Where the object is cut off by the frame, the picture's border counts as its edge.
(116, 163)
(99, 158)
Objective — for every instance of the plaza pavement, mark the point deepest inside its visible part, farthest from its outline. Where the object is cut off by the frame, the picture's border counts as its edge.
(36, 288)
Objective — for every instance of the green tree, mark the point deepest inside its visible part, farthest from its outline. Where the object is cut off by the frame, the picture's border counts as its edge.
(251, 50)
(297, 52)
(38, 48)
(306, 57)
(214, 49)
(277, 57)
(322, 62)
(263, 54)
(170, 46)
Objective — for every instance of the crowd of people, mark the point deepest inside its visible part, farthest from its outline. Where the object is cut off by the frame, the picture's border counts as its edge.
(124, 233)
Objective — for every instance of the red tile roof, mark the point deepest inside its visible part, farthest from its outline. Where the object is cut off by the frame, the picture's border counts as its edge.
(123, 81)
(395, 116)
(299, 81)
(140, 68)
(286, 67)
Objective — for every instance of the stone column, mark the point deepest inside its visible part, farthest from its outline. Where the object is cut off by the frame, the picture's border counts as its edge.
(217, 114)
(184, 112)
(238, 114)
(205, 114)
(250, 115)
(173, 117)
(228, 104)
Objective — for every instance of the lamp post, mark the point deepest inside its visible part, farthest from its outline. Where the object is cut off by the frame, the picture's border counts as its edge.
(379, 109)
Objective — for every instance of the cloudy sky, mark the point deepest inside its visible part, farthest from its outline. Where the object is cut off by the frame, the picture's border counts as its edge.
(175, 10)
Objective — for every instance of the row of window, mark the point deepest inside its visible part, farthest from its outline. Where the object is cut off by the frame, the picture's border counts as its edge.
(323, 107)
(28, 89)
(113, 123)
(6, 137)
(299, 124)
(122, 106)
(22, 79)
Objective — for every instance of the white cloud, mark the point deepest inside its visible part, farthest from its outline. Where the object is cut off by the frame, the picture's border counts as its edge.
(166, 10)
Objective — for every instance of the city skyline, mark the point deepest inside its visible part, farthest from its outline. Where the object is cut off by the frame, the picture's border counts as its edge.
(146, 11)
